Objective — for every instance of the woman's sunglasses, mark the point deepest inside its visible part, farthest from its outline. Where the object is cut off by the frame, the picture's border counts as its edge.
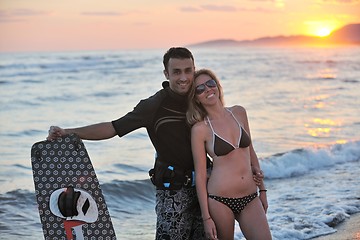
(201, 88)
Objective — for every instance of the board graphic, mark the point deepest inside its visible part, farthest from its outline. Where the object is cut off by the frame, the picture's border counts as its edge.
(70, 201)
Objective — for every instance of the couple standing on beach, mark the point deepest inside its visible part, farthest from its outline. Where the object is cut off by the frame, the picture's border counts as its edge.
(187, 121)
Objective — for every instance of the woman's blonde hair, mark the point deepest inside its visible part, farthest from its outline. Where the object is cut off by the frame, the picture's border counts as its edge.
(196, 112)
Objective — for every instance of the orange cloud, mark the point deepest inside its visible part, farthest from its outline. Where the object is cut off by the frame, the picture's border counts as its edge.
(14, 15)
(220, 8)
(340, 1)
(102, 14)
(225, 8)
(190, 9)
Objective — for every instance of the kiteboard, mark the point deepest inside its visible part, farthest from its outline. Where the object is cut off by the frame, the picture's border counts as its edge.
(70, 201)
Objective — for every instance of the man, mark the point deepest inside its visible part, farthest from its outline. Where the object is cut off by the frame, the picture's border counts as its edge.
(163, 116)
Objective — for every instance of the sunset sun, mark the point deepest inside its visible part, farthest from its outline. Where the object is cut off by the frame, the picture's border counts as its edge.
(321, 28)
(323, 32)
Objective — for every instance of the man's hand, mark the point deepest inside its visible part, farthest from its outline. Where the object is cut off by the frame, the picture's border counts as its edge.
(55, 132)
(258, 175)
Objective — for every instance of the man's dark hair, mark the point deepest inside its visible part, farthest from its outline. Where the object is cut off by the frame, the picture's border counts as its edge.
(176, 52)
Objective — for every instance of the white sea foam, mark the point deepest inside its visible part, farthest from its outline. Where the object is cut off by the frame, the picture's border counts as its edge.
(302, 161)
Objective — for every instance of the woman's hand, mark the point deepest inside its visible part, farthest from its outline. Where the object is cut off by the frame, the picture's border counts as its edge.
(210, 228)
(263, 199)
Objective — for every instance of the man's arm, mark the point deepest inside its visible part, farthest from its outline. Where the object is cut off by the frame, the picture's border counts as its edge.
(99, 131)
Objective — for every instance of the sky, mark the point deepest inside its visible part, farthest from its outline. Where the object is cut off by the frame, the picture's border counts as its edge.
(71, 25)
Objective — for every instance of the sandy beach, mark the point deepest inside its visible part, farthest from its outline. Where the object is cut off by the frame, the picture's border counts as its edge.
(348, 230)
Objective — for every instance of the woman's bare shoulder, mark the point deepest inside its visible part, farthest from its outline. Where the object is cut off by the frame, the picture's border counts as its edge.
(238, 110)
(199, 126)
(200, 129)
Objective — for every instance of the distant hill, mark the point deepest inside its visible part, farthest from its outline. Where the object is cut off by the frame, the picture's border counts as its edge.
(349, 34)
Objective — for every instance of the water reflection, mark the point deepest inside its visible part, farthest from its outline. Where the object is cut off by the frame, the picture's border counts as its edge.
(324, 73)
(322, 127)
(318, 101)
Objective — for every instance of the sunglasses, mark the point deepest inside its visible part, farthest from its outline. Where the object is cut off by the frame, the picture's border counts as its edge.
(201, 88)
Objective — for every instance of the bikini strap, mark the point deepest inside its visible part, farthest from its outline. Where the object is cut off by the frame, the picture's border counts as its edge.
(208, 120)
(234, 117)
(240, 127)
(213, 133)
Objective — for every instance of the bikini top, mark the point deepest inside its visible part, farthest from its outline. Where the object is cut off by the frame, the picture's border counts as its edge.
(222, 147)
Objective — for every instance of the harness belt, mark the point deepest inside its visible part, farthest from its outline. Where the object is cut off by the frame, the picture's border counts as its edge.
(167, 177)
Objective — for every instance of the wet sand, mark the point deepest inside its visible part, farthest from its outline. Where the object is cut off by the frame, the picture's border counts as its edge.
(348, 230)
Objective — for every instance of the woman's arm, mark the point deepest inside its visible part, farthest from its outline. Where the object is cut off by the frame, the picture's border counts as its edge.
(242, 115)
(199, 155)
(255, 165)
(198, 133)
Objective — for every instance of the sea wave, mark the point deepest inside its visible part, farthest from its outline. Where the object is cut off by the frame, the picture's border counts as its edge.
(115, 191)
(302, 161)
(138, 191)
(60, 64)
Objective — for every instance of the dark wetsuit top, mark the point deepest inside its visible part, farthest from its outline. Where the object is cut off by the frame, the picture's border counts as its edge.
(222, 147)
(164, 117)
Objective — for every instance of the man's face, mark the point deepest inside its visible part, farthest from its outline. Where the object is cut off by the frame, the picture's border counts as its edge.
(180, 74)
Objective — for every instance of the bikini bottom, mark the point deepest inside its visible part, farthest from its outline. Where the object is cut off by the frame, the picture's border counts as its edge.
(235, 204)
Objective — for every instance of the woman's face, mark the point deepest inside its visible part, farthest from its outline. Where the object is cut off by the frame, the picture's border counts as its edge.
(206, 89)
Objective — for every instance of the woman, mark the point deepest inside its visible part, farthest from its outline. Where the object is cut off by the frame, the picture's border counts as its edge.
(230, 192)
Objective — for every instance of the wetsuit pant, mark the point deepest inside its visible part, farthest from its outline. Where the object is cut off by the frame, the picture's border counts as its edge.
(178, 215)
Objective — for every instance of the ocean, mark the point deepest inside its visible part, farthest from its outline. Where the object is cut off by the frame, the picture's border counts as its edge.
(302, 105)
